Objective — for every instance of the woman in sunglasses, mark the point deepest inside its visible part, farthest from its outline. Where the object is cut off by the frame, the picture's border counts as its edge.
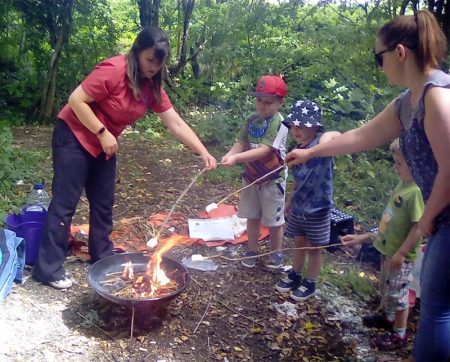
(409, 50)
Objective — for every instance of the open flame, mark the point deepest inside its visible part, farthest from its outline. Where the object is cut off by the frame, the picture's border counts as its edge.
(159, 276)
(154, 271)
(128, 271)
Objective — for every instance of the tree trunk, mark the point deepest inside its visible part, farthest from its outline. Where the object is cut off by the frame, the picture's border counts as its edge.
(59, 26)
(194, 63)
(149, 12)
(49, 87)
(441, 10)
(414, 4)
(188, 8)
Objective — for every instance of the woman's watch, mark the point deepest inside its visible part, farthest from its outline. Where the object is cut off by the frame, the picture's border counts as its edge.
(100, 131)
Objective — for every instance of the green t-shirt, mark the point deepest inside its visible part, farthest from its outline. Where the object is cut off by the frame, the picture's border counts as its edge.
(405, 207)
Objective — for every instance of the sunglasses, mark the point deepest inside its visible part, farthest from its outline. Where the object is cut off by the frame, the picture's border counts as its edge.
(379, 56)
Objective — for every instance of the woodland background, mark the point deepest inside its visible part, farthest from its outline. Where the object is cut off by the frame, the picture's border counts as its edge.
(219, 50)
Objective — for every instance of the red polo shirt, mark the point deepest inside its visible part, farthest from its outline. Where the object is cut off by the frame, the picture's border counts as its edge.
(114, 103)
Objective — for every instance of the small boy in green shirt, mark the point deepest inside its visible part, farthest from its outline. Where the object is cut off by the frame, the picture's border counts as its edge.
(397, 241)
(262, 148)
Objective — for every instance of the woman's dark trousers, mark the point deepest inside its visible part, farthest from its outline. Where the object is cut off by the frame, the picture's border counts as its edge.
(75, 169)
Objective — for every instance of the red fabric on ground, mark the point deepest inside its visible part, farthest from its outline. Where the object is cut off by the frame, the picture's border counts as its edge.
(132, 234)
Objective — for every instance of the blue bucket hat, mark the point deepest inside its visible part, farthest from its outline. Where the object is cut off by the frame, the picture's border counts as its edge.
(305, 113)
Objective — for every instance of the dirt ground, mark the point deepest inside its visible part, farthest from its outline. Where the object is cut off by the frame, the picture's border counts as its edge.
(226, 315)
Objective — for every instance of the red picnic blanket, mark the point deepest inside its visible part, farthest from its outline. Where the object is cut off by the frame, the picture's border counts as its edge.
(132, 234)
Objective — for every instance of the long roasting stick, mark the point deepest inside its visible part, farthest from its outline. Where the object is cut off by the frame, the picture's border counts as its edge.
(163, 225)
(254, 182)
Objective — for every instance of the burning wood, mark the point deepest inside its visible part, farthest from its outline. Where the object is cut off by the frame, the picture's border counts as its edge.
(150, 284)
(132, 285)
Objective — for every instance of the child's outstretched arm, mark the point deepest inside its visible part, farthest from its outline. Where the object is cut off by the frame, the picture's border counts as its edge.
(357, 239)
(246, 156)
(410, 242)
(238, 147)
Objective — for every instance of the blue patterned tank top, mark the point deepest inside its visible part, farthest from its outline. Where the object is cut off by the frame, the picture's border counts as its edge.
(313, 183)
(413, 139)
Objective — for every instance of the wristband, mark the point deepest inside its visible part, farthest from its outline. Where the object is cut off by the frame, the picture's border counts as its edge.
(100, 131)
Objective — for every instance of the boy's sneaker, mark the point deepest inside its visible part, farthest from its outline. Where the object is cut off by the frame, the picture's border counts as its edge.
(250, 262)
(290, 282)
(389, 341)
(61, 284)
(275, 261)
(304, 291)
(377, 321)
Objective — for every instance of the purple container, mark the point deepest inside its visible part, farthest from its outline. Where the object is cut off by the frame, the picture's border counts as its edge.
(28, 225)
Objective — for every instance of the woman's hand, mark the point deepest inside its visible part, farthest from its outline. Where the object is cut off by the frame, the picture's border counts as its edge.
(109, 143)
(352, 239)
(297, 156)
(210, 161)
(426, 225)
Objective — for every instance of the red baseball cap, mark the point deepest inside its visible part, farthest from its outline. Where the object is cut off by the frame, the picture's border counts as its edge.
(270, 85)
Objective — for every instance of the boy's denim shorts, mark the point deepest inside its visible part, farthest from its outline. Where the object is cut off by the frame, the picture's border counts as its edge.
(265, 202)
(394, 288)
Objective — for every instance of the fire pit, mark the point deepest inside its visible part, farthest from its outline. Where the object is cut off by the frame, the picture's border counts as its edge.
(102, 270)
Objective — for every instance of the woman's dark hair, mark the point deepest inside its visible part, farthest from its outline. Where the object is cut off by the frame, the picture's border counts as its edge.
(420, 33)
(150, 37)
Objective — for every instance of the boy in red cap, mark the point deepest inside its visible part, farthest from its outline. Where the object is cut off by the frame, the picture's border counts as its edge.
(262, 148)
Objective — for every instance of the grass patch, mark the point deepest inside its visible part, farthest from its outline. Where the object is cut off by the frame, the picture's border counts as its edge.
(348, 277)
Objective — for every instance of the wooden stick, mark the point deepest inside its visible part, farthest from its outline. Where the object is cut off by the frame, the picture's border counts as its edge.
(270, 252)
(113, 273)
(254, 182)
(242, 315)
(132, 322)
(203, 316)
(96, 326)
(163, 225)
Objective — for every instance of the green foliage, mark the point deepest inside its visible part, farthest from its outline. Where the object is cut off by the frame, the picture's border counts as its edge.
(324, 50)
(230, 175)
(216, 126)
(347, 277)
(362, 184)
(150, 126)
(16, 167)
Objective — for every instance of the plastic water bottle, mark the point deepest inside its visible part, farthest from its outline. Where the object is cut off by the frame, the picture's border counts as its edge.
(203, 265)
(38, 199)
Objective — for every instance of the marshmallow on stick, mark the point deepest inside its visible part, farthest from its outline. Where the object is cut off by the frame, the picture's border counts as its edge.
(214, 206)
(211, 207)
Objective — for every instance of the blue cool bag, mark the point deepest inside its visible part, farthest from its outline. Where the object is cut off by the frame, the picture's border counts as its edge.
(12, 261)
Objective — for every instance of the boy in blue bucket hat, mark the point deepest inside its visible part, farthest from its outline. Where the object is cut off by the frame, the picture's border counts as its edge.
(309, 204)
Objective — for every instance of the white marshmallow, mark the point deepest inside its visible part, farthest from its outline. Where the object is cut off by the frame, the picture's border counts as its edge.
(211, 207)
(196, 257)
(152, 242)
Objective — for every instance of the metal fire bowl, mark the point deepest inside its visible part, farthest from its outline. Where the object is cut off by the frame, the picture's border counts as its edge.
(115, 263)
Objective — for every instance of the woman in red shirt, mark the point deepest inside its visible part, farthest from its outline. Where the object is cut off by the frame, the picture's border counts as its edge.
(117, 93)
